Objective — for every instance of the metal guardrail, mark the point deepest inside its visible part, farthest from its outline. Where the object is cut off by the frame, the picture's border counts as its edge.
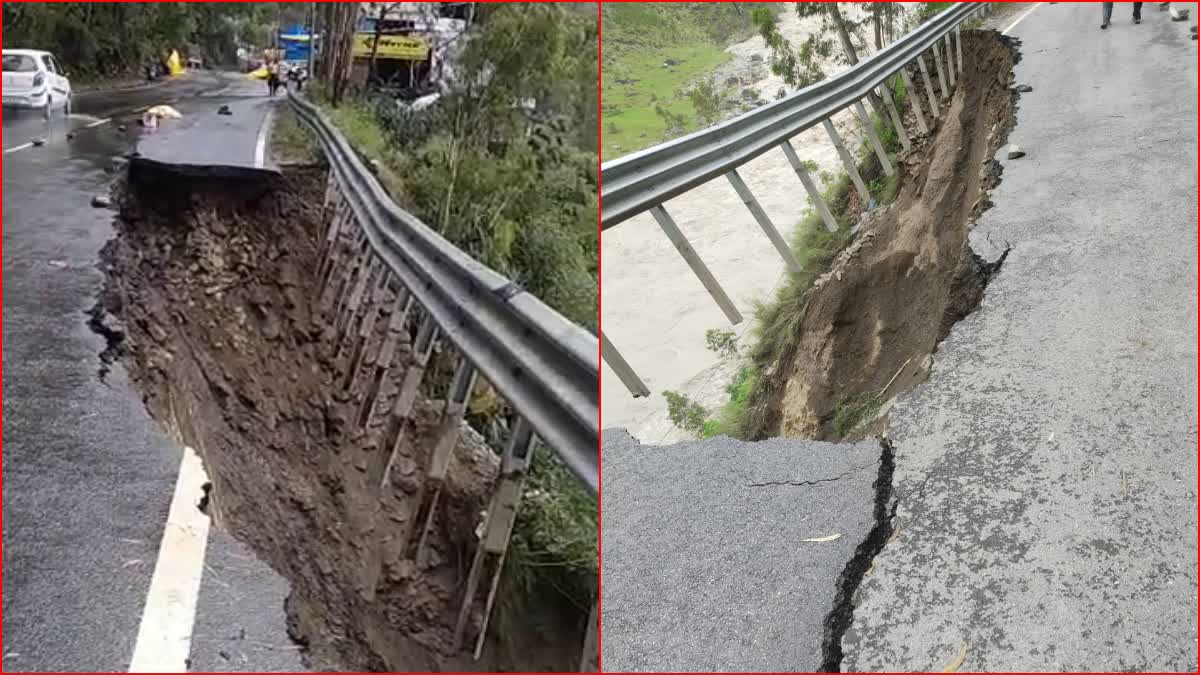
(645, 180)
(546, 366)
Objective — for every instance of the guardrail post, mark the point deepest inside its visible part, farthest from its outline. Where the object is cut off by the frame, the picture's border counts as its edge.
(941, 71)
(847, 161)
(814, 195)
(693, 260)
(890, 104)
(497, 531)
(958, 45)
(589, 662)
(933, 104)
(914, 97)
(344, 320)
(747, 197)
(622, 368)
(366, 327)
(874, 138)
(457, 400)
(387, 352)
(407, 396)
(335, 249)
(948, 46)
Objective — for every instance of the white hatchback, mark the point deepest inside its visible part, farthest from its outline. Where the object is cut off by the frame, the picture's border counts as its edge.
(34, 79)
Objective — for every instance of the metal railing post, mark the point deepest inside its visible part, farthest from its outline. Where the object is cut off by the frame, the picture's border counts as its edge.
(747, 197)
(693, 260)
(810, 187)
(847, 161)
(622, 368)
(874, 138)
(914, 97)
(933, 103)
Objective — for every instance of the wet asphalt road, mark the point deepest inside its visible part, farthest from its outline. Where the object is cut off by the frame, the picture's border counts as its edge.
(88, 477)
(1046, 474)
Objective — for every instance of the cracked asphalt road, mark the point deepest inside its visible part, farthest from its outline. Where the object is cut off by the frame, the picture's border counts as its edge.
(1046, 474)
(88, 476)
(705, 567)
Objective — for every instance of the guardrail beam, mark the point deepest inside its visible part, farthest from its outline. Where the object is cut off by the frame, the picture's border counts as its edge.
(847, 162)
(814, 195)
(622, 368)
(768, 228)
(693, 260)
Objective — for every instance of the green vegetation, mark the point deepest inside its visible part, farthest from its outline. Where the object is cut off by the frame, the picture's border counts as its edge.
(291, 141)
(721, 341)
(684, 412)
(777, 323)
(855, 411)
(653, 53)
(103, 40)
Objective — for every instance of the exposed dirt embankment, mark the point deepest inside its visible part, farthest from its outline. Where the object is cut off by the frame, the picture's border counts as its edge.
(212, 282)
(870, 325)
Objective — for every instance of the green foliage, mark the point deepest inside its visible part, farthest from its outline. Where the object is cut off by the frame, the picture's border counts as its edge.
(721, 341)
(855, 411)
(109, 39)
(684, 412)
(706, 99)
(732, 418)
(291, 141)
(653, 51)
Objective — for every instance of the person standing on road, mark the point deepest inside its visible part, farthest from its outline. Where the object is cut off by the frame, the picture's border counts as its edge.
(273, 76)
(1108, 6)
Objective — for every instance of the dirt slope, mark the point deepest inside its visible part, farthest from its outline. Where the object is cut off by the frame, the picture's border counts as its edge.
(896, 291)
(211, 285)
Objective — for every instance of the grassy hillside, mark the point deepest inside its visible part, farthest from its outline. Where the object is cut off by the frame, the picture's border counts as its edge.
(651, 52)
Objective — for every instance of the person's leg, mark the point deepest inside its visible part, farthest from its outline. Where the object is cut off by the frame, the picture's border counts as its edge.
(1106, 7)
(1137, 12)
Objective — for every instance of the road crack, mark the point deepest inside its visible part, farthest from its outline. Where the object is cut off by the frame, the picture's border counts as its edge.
(808, 482)
(842, 614)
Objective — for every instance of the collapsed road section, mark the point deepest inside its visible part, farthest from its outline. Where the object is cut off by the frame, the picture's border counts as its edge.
(730, 555)
(869, 326)
(214, 305)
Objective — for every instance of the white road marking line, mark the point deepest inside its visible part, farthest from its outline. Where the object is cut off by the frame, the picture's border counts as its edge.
(164, 640)
(1020, 18)
(19, 147)
(99, 122)
(260, 147)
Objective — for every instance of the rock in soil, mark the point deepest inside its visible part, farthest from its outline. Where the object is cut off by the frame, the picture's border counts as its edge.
(1015, 152)
(101, 202)
(293, 475)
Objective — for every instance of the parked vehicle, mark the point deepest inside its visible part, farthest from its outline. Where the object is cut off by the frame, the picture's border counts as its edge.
(34, 79)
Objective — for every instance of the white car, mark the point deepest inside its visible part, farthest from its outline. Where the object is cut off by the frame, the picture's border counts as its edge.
(34, 79)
